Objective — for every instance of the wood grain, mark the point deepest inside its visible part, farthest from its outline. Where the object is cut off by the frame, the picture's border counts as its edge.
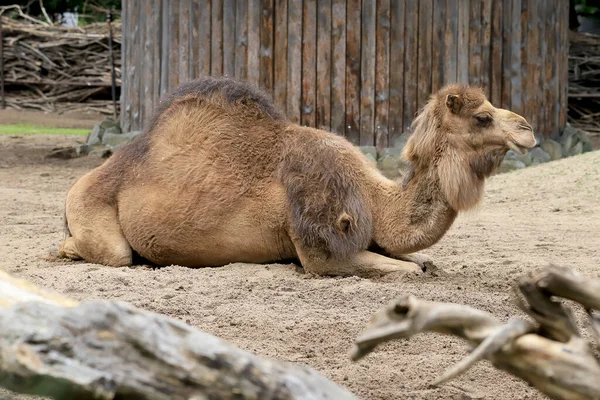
(353, 79)
(266, 46)
(367, 73)
(396, 126)
(309, 59)
(382, 73)
(229, 36)
(280, 54)
(216, 47)
(323, 104)
(294, 66)
(338, 67)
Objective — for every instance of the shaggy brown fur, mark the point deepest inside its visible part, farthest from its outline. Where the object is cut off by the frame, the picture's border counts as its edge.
(220, 176)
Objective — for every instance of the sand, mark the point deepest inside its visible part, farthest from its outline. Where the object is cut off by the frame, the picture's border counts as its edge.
(544, 214)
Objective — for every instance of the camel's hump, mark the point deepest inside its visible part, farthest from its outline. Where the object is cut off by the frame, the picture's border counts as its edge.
(232, 90)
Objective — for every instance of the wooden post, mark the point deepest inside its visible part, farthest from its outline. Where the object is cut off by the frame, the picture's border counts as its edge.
(2, 103)
(112, 64)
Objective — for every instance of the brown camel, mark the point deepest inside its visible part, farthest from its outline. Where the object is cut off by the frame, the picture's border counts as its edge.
(221, 176)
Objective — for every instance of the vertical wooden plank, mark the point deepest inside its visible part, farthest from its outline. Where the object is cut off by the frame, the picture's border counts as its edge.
(309, 57)
(515, 57)
(323, 105)
(280, 56)
(229, 27)
(266, 46)
(382, 73)
(367, 73)
(353, 34)
(155, 30)
(506, 53)
(201, 34)
(165, 48)
(410, 60)
(528, 60)
(135, 70)
(438, 63)
(216, 46)
(486, 37)
(462, 66)
(451, 43)
(424, 50)
(475, 42)
(538, 102)
(552, 89)
(294, 65)
(124, 101)
(174, 43)
(184, 40)
(254, 20)
(147, 12)
(563, 78)
(241, 39)
(338, 71)
(396, 126)
(496, 54)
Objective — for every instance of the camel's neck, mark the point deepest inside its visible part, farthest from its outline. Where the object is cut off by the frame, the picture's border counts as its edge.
(413, 217)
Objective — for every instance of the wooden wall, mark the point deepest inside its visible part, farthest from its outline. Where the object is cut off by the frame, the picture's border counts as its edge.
(359, 68)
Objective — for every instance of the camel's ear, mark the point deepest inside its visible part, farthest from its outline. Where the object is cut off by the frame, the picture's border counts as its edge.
(454, 103)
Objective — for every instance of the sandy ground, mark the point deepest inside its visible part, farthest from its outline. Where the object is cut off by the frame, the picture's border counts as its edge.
(532, 217)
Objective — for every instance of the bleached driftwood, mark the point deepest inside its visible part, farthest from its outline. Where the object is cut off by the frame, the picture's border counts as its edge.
(551, 354)
(57, 347)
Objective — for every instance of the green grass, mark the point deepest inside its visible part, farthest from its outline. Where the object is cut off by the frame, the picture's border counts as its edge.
(30, 129)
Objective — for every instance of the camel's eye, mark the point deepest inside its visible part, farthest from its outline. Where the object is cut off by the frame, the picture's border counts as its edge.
(483, 119)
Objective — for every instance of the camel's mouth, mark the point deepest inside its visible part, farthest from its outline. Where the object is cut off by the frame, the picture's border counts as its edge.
(520, 150)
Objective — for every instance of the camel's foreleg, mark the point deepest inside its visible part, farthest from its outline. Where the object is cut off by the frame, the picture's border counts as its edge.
(363, 263)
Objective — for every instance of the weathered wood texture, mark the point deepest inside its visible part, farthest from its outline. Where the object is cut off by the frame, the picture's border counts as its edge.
(57, 347)
(360, 68)
(550, 354)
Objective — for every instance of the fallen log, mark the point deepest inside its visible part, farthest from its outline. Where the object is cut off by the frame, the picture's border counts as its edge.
(550, 354)
(54, 346)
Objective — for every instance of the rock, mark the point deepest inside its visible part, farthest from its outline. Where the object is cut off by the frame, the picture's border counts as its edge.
(389, 158)
(82, 149)
(95, 136)
(115, 139)
(109, 123)
(553, 148)
(525, 159)
(370, 157)
(372, 150)
(576, 150)
(113, 130)
(510, 165)
(583, 138)
(539, 156)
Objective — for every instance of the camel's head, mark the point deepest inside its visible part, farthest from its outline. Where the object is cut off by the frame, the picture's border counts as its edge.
(462, 134)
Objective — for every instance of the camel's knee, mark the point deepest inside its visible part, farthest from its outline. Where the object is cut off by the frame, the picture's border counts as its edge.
(68, 250)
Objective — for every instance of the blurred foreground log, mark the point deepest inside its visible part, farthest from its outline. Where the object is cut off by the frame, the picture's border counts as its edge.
(550, 354)
(54, 346)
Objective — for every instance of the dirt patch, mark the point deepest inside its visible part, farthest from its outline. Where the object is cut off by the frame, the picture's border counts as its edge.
(531, 217)
(76, 120)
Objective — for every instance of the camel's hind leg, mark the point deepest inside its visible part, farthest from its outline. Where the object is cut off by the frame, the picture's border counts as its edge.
(96, 234)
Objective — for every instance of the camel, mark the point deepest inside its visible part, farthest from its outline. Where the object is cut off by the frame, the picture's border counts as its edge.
(220, 176)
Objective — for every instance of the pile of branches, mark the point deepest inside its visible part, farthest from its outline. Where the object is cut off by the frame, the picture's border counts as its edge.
(584, 81)
(57, 68)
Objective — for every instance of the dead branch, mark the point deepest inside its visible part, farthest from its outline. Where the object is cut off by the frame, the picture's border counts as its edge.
(551, 355)
(57, 347)
(48, 65)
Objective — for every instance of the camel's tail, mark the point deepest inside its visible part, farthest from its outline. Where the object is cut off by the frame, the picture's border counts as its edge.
(66, 229)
